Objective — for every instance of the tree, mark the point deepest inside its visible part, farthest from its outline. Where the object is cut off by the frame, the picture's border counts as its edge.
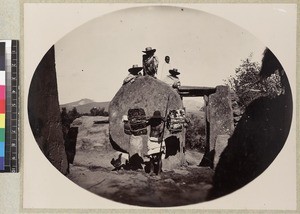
(195, 133)
(248, 85)
(73, 114)
(94, 111)
(246, 82)
(65, 117)
(98, 111)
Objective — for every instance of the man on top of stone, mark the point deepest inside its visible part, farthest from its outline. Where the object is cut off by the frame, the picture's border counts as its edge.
(172, 79)
(134, 72)
(150, 62)
(166, 67)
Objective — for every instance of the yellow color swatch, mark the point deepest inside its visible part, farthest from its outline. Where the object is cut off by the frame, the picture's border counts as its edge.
(2, 120)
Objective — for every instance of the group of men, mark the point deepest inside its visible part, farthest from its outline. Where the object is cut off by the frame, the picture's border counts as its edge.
(155, 144)
(150, 68)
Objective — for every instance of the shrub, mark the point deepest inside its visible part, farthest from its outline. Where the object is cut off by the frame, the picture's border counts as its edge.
(72, 115)
(195, 133)
(98, 112)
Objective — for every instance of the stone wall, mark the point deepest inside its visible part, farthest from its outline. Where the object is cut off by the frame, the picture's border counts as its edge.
(44, 112)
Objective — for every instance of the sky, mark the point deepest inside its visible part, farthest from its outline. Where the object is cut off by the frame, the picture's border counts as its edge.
(93, 59)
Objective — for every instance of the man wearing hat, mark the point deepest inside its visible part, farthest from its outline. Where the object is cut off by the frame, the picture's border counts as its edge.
(134, 72)
(165, 67)
(156, 144)
(156, 123)
(150, 62)
(172, 78)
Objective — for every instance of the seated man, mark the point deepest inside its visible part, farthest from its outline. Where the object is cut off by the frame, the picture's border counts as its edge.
(172, 79)
(134, 72)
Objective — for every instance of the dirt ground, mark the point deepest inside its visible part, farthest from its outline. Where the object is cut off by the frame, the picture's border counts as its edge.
(92, 170)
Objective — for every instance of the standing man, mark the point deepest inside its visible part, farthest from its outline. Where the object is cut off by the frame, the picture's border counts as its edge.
(166, 67)
(134, 72)
(172, 78)
(156, 144)
(156, 123)
(150, 62)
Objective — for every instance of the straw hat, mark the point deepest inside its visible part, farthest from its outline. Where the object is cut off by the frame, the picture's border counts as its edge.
(135, 69)
(149, 50)
(174, 71)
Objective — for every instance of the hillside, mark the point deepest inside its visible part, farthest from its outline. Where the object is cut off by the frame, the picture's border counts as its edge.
(79, 102)
(85, 105)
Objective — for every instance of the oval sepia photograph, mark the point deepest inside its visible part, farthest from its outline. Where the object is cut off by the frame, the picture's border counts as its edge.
(160, 106)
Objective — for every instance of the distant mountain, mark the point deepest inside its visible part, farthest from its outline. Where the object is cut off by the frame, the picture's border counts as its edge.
(85, 105)
(79, 103)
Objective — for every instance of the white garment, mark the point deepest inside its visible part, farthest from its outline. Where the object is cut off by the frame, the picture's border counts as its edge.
(129, 79)
(165, 70)
(136, 145)
(154, 146)
(172, 81)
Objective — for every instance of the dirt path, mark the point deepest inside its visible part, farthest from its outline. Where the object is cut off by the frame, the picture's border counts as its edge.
(183, 186)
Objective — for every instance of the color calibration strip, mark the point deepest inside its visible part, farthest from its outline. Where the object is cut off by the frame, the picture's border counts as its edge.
(9, 88)
(2, 105)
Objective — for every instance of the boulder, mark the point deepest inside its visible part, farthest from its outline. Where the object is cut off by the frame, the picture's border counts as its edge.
(258, 137)
(221, 143)
(171, 163)
(44, 112)
(145, 92)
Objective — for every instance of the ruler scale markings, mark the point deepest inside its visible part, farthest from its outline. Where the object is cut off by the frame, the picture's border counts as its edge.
(15, 46)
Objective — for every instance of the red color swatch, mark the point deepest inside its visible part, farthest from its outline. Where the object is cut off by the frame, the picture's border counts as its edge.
(2, 106)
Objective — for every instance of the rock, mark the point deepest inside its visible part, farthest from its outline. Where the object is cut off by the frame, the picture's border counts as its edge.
(193, 157)
(44, 112)
(258, 137)
(77, 122)
(172, 162)
(237, 119)
(181, 171)
(221, 143)
(220, 114)
(87, 144)
(220, 118)
(237, 112)
(145, 92)
(169, 180)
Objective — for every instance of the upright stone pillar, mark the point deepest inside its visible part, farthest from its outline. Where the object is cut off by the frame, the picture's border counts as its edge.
(44, 112)
(220, 115)
(220, 123)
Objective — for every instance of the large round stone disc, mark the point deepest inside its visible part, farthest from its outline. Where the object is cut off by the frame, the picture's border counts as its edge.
(145, 92)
